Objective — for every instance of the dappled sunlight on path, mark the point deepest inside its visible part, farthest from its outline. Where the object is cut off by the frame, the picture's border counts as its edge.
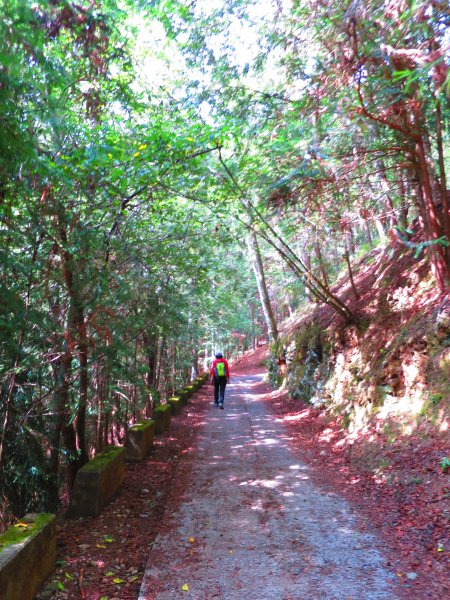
(251, 523)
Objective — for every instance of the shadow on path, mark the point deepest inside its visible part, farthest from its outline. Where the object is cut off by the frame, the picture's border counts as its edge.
(252, 525)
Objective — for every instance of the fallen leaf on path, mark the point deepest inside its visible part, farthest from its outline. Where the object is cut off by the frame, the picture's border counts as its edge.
(185, 587)
(118, 580)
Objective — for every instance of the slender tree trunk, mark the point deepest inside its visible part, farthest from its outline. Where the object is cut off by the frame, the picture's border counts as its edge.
(386, 187)
(403, 212)
(80, 422)
(320, 262)
(99, 386)
(76, 331)
(58, 412)
(255, 257)
(161, 362)
(174, 366)
(368, 232)
(307, 260)
(151, 345)
(6, 420)
(106, 421)
(433, 229)
(350, 270)
(443, 183)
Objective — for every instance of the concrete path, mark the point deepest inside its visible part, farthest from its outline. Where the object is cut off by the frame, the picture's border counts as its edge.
(262, 530)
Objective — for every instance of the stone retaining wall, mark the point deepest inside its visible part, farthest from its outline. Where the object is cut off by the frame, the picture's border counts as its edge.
(27, 556)
(96, 482)
(139, 440)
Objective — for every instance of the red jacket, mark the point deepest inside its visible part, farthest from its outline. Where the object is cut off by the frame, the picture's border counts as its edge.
(227, 369)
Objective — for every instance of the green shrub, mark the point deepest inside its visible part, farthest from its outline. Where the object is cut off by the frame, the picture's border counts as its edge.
(445, 463)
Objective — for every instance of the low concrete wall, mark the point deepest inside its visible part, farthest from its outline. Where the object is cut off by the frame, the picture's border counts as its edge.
(175, 404)
(161, 416)
(27, 556)
(139, 440)
(189, 390)
(184, 395)
(96, 482)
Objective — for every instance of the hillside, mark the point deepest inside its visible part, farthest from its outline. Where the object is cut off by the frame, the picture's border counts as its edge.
(393, 365)
(369, 403)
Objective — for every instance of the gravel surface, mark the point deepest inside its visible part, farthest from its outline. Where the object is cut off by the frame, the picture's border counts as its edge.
(249, 523)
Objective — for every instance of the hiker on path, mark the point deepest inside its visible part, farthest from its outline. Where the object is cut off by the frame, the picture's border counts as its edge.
(220, 376)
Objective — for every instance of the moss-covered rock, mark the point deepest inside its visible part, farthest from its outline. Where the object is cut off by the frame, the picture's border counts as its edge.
(162, 415)
(97, 482)
(139, 440)
(27, 556)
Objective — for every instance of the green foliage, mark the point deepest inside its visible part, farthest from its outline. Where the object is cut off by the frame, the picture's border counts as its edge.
(444, 463)
(132, 169)
(436, 398)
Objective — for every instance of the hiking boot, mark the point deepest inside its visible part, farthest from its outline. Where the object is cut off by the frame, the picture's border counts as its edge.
(216, 404)
(221, 406)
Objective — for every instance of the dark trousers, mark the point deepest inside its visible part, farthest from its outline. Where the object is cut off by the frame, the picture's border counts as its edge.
(219, 389)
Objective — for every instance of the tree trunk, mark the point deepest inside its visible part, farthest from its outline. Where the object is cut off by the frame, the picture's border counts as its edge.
(350, 271)
(386, 187)
(256, 261)
(58, 414)
(443, 183)
(6, 420)
(403, 212)
(151, 343)
(80, 421)
(433, 229)
(320, 262)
